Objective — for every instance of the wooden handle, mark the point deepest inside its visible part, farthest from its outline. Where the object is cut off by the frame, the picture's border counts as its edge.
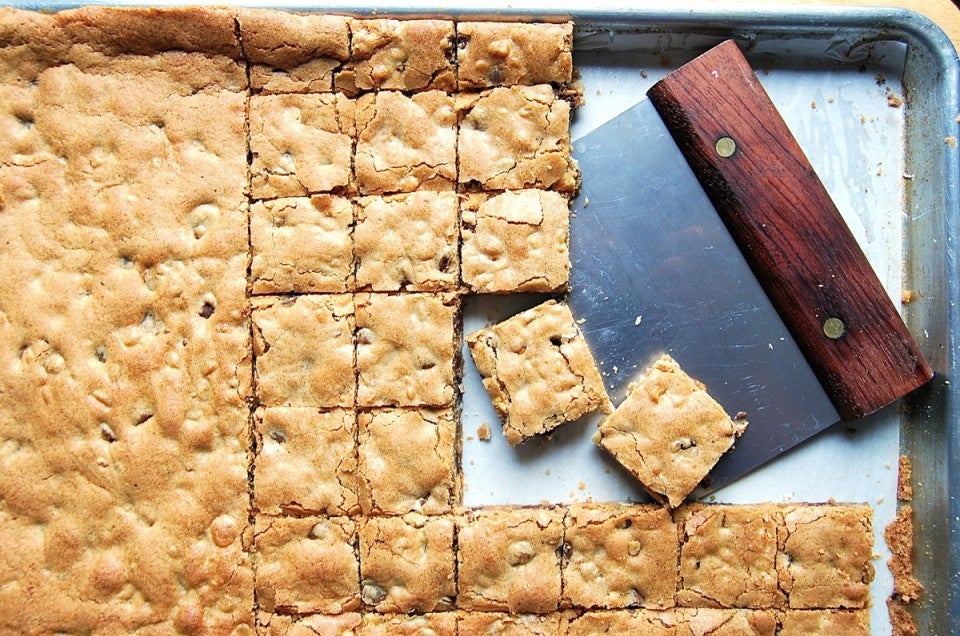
(790, 231)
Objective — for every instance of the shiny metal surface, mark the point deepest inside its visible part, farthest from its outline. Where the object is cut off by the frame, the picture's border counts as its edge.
(654, 270)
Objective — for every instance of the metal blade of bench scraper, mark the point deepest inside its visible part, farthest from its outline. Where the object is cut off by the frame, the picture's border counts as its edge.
(655, 271)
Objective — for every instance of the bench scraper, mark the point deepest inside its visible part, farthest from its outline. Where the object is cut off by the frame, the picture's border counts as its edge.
(701, 230)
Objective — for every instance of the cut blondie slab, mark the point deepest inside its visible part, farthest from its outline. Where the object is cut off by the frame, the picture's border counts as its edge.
(728, 557)
(617, 555)
(509, 559)
(538, 370)
(407, 563)
(304, 350)
(300, 144)
(405, 349)
(306, 461)
(503, 624)
(407, 461)
(843, 622)
(404, 55)
(702, 621)
(515, 137)
(668, 432)
(623, 621)
(501, 54)
(516, 241)
(307, 565)
(408, 242)
(405, 143)
(293, 53)
(824, 558)
(302, 245)
(310, 624)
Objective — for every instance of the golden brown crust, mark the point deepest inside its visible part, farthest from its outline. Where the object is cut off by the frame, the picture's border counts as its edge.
(619, 556)
(408, 242)
(306, 461)
(538, 370)
(300, 144)
(345, 624)
(598, 622)
(405, 349)
(509, 559)
(407, 563)
(414, 625)
(304, 350)
(302, 245)
(804, 622)
(407, 461)
(668, 432)
(404, 55)
(513, 138)
(502, 54)
(728, 556)
(503, 624)
(307, 565)
(516, 242)
(824, 556)
(725, 622)
(405, 143)
(906, 588)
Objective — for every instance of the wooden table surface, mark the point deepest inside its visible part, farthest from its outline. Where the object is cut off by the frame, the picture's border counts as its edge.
(944, 12)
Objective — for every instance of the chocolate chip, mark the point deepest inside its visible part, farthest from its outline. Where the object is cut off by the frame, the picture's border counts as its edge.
(207, 310)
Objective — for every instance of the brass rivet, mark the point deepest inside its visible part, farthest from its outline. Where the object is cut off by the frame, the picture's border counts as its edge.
(833, 328)
(726, 147)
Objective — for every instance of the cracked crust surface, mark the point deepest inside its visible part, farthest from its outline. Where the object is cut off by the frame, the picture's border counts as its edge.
(307, 565)
(516, 242)
(304, 350)
(668, 432)
(619, 556)
(407, 563)
(437, 623)
(408, 242)
(502, 624)
(509, 559)
(293, 53)
(728, 557)
(514, 138)
(306, 462)
(702, 621)
(300, 144)
(302, 245)
(597, 622)
(407, 461)
(499, 54)
(405, 349)
(805, 622)
(824, 558)
(344, 624)
(404, 55)
(405, 143)
(538, 370)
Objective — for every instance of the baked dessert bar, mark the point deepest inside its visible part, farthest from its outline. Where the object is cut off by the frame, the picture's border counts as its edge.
(405, 349)
(407, 461)
(408, 242)
(600, 622)
(705, 621)
(302, 245)
(504, 624)
(309, 624)
(538, 370)
(498, 54)
(515, 137)
(405, 143)
(824, 556)
(728, 556)
(617, 555)
(845, 622)
(668, 432)
(516, 241)
(293, 53)
(413, 625)
(306, 461)
(407, 563)
(307, 565)
(509, 559)
(304, 350)
(300, 144)
(403, 55)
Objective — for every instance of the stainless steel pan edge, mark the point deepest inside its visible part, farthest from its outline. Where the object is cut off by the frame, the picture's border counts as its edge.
(930, 425)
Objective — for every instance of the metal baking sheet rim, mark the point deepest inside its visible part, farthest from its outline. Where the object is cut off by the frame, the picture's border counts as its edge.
(930, 429)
